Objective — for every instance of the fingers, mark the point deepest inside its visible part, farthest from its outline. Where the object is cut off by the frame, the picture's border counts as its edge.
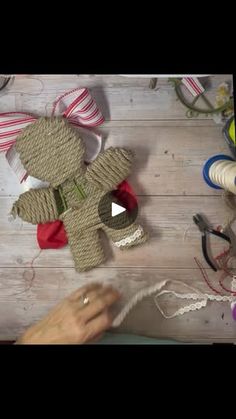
(94, 318)
(92, 294)
(103, 300)
(99, 324)
(76, 295)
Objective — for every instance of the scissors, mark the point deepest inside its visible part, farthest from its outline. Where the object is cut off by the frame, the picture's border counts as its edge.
(205, 229)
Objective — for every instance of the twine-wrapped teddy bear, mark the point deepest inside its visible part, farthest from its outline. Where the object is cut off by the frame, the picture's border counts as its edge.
(51, 150)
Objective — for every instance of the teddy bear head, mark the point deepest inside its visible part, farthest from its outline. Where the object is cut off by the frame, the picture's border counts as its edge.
(51, 150)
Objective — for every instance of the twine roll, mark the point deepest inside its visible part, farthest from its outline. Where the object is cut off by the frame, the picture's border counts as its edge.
(223, 174)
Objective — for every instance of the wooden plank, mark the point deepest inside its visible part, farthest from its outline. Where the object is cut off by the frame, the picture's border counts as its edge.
(160, 123)
(58, 81)
(174, 239)
(169, 159)
(209, 325)
(117, 100)
(19, 309)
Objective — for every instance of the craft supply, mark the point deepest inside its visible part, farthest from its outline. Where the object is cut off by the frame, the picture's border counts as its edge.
(31, 275)
(206, 229)
(205, 277)
(193, 109)
(199, 299)
(229, 134)
(219, 172)
(11, 124)
(53, 235)
(52, 151)
(93, 144)
(193, 85)
(224, 287)
(77, 106)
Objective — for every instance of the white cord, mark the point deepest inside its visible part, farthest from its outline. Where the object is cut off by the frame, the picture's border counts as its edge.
(202, 298)
(223, 173)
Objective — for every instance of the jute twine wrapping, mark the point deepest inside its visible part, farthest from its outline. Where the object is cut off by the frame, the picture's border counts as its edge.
(51, 150)
(110, 168)
(36, 206)
(84, 243)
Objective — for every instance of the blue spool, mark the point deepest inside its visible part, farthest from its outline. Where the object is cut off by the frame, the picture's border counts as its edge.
(207, 166)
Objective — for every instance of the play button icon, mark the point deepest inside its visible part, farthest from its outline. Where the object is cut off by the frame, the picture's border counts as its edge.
(118, 209)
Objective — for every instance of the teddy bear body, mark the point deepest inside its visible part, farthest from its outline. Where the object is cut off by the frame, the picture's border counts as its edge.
(52, 151)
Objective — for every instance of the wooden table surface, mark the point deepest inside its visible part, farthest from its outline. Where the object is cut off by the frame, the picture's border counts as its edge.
(167, 177)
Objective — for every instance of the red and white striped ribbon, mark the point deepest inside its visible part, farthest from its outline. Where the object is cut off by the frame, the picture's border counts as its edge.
(11, 124)
(193, 85)
(77, 106)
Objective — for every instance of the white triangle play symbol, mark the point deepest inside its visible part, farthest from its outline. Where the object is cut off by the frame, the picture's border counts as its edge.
(116, 209)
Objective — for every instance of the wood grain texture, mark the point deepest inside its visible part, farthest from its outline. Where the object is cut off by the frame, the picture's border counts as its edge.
(168, 160)
(121, 99)
(167, 176)
(174, 238)
(20, 308)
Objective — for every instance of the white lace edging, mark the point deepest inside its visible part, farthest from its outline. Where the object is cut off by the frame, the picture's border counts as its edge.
(138, 233)
(194, 306)
(197, 295)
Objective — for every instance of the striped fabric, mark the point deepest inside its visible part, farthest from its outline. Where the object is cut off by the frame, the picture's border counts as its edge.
(77, 106)
(193, 85)
(11, 124)
(15, 163)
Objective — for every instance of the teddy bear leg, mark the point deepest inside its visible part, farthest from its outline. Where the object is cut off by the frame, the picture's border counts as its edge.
(126, 237)
(86, 250)
(85, 243)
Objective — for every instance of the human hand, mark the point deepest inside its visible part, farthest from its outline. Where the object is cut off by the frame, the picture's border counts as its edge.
(71, 321)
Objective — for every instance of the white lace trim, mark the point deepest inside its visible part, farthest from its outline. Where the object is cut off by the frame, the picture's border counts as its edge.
(194, 306)
(130, 238)
(195, 295)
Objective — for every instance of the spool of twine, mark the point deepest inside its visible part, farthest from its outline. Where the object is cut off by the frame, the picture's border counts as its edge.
(223, 174)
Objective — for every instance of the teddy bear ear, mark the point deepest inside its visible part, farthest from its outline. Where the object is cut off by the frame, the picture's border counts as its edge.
(50, 149)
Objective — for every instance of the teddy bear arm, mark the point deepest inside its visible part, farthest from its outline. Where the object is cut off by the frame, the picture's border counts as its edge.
(37, 206)
(110, 168)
